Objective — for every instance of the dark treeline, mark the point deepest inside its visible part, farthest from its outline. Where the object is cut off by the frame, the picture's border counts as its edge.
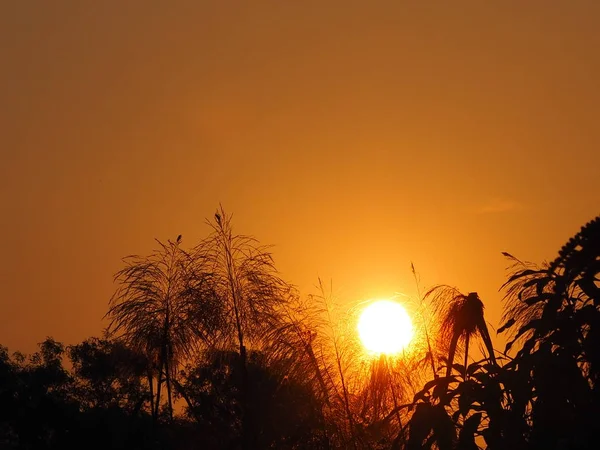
(208, 347)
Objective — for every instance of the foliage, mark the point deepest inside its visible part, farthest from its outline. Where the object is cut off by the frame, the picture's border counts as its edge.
(557, 323)
(242, 274)
(251, 296)
(546, 396)
(164, 308)
(108, 374)
(247, 362)
(287, 414)
(460, 317)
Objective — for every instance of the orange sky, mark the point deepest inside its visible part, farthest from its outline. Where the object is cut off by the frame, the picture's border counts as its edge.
(356, 137)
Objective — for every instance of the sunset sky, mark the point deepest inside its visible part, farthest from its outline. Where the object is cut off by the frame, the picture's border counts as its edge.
(354, 136)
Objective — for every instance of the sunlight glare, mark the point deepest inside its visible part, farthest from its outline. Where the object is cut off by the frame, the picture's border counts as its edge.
(385, 327)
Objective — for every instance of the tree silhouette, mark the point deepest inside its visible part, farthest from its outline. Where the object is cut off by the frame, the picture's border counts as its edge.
(40, 411)
(286, 411)
(461, 317)
(109, 374)
(164, 309)
(260, 368)
(252, 295)
(553, 313)
(546, 396)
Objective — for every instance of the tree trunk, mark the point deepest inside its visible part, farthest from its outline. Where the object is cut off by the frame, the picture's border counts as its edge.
(430, 353)
(466, 356)
(346, 400)
(394, 397)
(168, 379)
(187, 399)
(158, 388)
(451, 353)
(151, 387)
(487, 340)
(248, 436)
(315, 363)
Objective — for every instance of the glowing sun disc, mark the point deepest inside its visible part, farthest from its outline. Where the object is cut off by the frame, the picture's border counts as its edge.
(384, 326)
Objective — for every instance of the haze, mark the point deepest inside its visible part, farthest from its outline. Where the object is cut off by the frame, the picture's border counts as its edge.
(355, 137)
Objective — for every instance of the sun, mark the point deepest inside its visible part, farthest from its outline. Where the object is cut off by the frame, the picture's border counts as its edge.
(385, 327)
